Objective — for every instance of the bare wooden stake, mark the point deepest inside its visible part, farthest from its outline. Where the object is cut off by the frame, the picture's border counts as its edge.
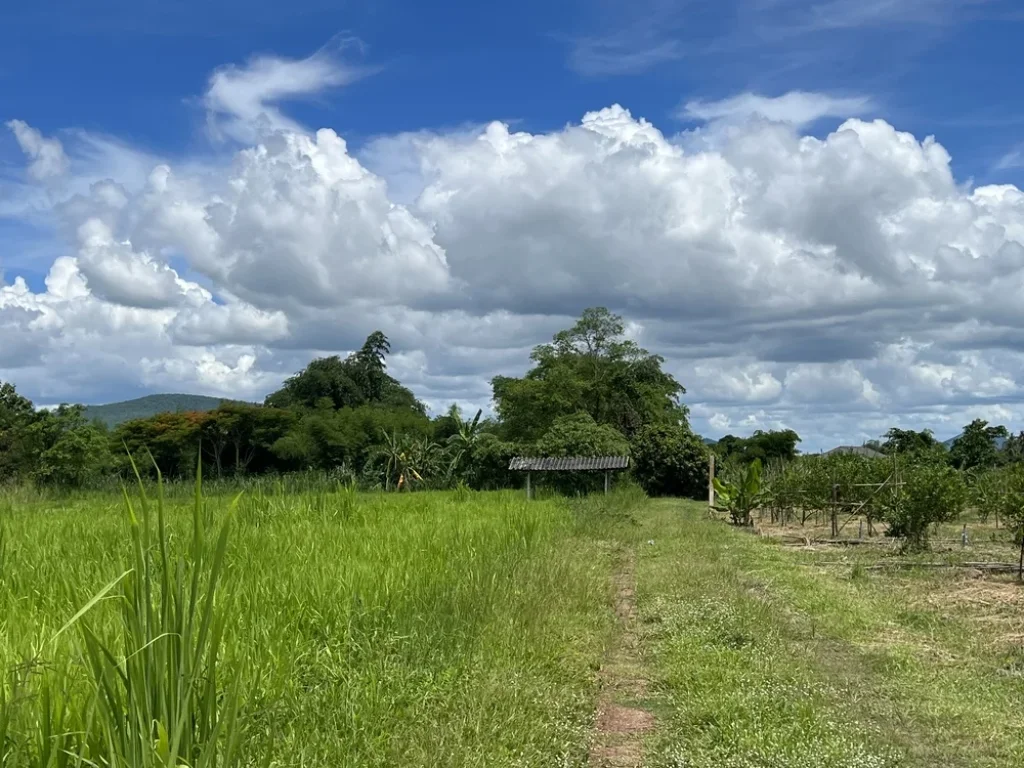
(711, 481)
(835, 502)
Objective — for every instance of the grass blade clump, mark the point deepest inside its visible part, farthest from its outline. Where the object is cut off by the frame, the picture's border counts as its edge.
(161, 694)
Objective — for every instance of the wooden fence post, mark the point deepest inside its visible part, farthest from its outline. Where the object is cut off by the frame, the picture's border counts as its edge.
(711, 481)
(529, 494)
(835, 504)
(606, 481)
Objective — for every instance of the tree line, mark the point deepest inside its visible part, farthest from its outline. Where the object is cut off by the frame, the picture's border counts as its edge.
(590, 391)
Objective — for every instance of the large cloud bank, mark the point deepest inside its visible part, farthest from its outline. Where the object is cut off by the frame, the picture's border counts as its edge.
(835, 285)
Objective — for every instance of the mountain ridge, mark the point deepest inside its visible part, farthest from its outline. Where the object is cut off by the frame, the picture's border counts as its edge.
(113, 414)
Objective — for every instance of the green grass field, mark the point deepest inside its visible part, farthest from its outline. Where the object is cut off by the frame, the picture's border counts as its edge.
(767, 656)
(468, 629)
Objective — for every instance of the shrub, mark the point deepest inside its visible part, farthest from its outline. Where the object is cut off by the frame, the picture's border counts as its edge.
(670, 460)
(931, 493)
(1010, 506)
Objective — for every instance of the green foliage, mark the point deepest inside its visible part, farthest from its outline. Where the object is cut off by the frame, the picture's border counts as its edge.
(589, 390)
(580, 435)
(171, 637)
(907, 441)
(488, 464)
(773, 445)
(461, 444)
(157, 692)
(16, 446)
(590, 368)
(976, 448)
(930, 493)
(670, 460)
(323, 438)
(172, 439)
(359, 379)
(742, 497)
(1010, 505)
(73, 451)
(403, 462)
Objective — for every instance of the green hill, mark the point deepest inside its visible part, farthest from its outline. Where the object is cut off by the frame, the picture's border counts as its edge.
(113, 414)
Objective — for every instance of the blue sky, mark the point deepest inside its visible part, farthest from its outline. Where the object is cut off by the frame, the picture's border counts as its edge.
(131, 67)
(467, 147)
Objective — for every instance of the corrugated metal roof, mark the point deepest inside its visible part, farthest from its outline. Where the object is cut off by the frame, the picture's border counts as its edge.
(568, 463)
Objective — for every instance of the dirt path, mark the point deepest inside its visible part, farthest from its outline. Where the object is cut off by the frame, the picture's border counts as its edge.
(621, 723)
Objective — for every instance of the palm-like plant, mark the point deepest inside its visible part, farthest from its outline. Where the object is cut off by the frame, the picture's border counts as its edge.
(742, 497)
(462, 442)
(407, 460)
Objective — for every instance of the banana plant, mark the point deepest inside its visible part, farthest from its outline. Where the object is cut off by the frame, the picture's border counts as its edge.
(741, 498)
(461, 443)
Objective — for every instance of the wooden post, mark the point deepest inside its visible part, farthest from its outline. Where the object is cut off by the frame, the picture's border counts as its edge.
(607, 474)
(711, 481)
(835, 505)
(529, 492)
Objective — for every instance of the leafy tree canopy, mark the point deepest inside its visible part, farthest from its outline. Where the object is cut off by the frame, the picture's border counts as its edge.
(669, 460)
(73, 450)
(977, 447)
(590, 368)
(359, 379)
(16, 415)
(907, 441)
(580, 435)
(766, 446)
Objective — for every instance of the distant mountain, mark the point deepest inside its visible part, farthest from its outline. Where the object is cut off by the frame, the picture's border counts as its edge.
(709, 441)
(1000, 442)
(856, 450)
(113, 414)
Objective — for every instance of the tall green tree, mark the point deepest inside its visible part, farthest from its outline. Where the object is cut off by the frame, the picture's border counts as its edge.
(359, 379)
(977, 447)
(908, 441)
(590, 368)
(17, 451)
(73, 450)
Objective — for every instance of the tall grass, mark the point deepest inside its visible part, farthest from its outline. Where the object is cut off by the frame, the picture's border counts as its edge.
(142, 686)
(298, 627)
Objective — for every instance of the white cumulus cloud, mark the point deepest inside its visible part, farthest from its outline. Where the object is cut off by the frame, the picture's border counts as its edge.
(835, 285)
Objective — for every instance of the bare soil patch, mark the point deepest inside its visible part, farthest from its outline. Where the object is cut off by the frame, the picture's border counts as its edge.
(620, 725)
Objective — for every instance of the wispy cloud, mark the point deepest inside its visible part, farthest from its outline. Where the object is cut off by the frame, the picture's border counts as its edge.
(784, 35)
(853, 14)
(621, 55)
(242, 101)
(1013, 159)
(628, 39)
(46, 155)
(804, 16)
(798, 108)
